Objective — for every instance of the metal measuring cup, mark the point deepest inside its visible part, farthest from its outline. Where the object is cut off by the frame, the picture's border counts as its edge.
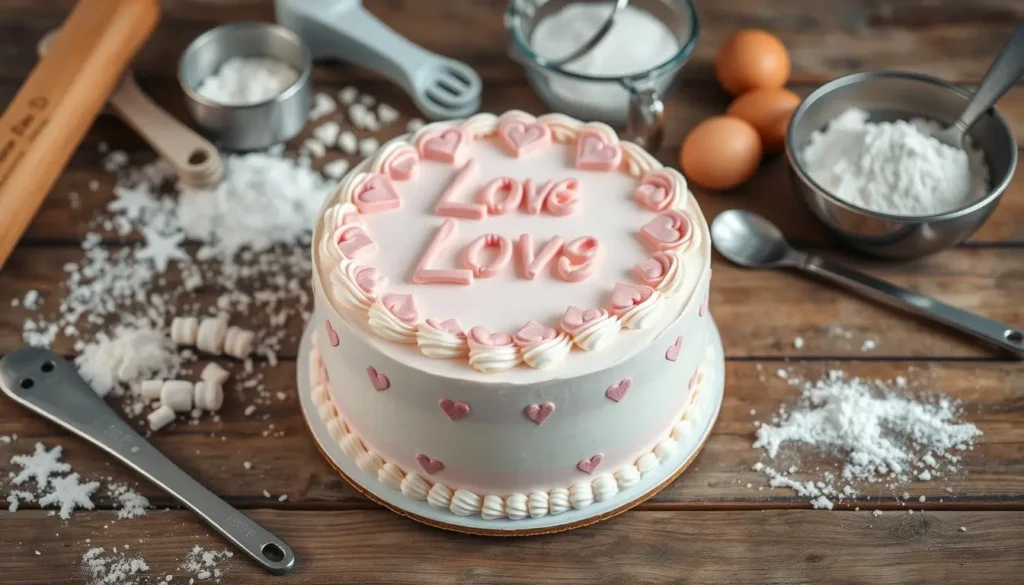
(634, 100)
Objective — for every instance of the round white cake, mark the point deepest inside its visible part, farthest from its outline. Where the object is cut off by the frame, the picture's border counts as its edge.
(514, 312)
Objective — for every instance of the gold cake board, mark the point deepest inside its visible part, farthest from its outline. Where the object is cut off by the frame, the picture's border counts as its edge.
(709, 401)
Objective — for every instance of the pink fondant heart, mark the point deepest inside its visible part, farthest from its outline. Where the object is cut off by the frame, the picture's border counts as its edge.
(375, 194)
(618, 391)
(666, 231)
(402, 307)
(368, 278)
(332, 335)
(431, 466)
(597, 154)
(401, 164)
(651, 271)
(449, 325)
(625, 296)
(455, 409)
(575, 317)
(380, 381)
(524, 138)
(442, 146)
(539, 413)
(482, 336)
(672, 354)
(589, 465)
(354, 242)
(534, 332)
(656, 191)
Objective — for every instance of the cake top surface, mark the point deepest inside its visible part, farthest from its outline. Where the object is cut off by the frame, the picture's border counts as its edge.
(511, 243)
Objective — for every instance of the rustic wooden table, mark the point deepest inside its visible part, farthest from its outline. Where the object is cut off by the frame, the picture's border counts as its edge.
(707, 527)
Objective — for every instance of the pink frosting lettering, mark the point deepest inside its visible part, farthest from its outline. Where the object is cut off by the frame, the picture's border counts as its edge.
(533, 332)
(368, 278)
(376, 194)
(353, 241)
(401, 163)
(442, 146)
(579, 259)
(424, 274)
(430, 465)
(448, 325)
(472, 256)
(627, 296)
(530, 264)
(481, 336)
(589, 465)
(668, 230)
(575, 317)
(402, 306)
(447, 204)
(656, 191)
(533, 198)
(595, 153)
(513, 195)
(523, 139)
(560, 198)
(652, 270)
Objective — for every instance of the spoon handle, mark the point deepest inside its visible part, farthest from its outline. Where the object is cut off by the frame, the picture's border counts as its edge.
(1004, 72)
(998, 334)
(50, 386)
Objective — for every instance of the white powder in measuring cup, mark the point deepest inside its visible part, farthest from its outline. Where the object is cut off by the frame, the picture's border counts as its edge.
(242, 81)
(637, 41)
(894, 167)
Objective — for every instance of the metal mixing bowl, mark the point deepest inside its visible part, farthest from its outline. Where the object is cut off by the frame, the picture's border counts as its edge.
(249, 126)
(890, 95)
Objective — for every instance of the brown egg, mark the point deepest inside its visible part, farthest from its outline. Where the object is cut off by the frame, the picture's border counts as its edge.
(751, 59)
(721, 152)
(764, 108)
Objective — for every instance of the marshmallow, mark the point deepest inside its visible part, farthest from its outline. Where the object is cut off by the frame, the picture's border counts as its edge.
(160, 418)
(238, 342)
(209, 396)
(184, 330)
(150, 389)
(214, 373)
(176, 395)
(210, 337)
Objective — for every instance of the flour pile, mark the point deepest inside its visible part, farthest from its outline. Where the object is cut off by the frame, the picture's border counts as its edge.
(881, 435)
(247, 80)
(894, 167)
(205, 564)
(112, 362)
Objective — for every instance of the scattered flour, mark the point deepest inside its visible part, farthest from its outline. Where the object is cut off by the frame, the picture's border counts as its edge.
(39, 466)
(115, 569)
(894, 167)
(68, 493)
(247, 80)
(130, 354)
(130, 504)
(205, 564)
(880, 435)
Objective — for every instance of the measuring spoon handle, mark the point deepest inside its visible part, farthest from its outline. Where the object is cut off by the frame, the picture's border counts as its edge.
(998, 334)
(49, 385)
(1000, 77)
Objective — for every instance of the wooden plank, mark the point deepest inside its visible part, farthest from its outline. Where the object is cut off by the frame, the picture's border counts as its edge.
(954, 39)
(639, 547)
(760, 312)
(214, 452)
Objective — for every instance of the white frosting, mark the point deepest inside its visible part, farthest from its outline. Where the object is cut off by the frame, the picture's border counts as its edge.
(349, 294)
(488, 358)
(581, 495)
(352, 447)
(558, 501)
(517, 506)
(597, 333)
(673, 279)
(645, 314)
(547, 353)
(538, 504)
(465, 503)
(441, 344)
(391, 475)
(334, 429)
(493, 508)
(370, 462)
(384, 323)
(415, 487)
(439, 496)
(627, 476)
(665, 449)
(605, 487)
(646, 463)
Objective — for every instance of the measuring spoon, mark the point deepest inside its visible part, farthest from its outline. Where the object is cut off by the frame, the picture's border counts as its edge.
(194, 158)
(47, 384)
(754, 242)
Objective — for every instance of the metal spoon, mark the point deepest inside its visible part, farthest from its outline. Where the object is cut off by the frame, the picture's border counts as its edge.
(754, 242)
(47, 384)
(1000, 77)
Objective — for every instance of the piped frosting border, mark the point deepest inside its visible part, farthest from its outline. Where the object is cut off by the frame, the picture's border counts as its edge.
(517, 506)
(345, 243)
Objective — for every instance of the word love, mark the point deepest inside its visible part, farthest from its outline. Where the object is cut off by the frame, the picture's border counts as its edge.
(490, 255)
(505, 194)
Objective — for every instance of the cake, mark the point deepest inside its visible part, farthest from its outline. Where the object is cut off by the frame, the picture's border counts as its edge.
(511, 314)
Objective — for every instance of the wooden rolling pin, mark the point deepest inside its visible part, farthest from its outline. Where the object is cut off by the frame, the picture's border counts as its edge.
(58, 102)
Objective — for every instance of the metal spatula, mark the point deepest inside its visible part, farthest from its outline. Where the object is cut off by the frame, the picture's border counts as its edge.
(342, 29)
(47, 384)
